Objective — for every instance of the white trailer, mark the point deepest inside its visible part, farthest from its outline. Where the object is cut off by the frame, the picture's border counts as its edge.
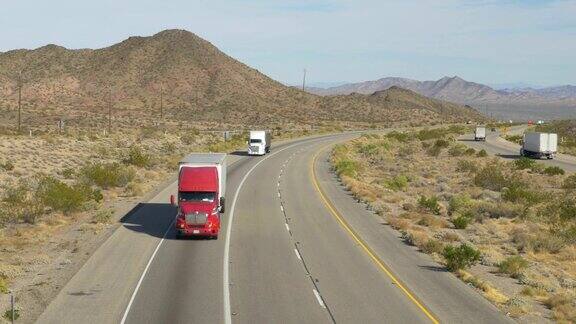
(480, 133)
(259, 142)
(539, 144)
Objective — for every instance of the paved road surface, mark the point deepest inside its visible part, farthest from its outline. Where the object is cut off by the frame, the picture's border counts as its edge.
(295, 256)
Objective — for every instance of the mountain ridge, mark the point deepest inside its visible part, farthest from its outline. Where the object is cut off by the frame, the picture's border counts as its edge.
(458, 90)
(197, 80)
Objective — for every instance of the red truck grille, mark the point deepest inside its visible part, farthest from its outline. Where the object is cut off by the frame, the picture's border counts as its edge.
(196, 219)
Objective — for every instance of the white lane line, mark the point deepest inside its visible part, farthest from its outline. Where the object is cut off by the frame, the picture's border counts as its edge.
(319, 298)
(226, 270)
(287, 227)
(144, 274)
(298, 254)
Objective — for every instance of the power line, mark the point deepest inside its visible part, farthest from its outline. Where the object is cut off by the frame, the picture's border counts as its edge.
(110, 110)
(161, 100)
(19, 101)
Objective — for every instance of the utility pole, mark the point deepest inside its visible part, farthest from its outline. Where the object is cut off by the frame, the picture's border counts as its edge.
(304, 81)
(110, 110)
(19, 101)
(161, 100)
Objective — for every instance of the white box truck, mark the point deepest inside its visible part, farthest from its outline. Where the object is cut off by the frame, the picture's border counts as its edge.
(480, 133)
(259, 142)
(539, 144)
(201, 192)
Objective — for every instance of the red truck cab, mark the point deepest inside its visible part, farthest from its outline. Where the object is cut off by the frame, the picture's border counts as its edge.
(200, 199)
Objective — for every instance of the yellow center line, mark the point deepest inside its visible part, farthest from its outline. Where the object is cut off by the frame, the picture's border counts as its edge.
(363, 244)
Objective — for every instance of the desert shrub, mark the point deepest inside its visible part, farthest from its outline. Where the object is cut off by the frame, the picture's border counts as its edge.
(373, 148)
(3, 286)
(415, 238)
(107, 175)
(103, 216)
(513, 266)
(466, 166)
(562, 209)
(67, 173)
(470, 151)
(347, 168)
(570, 182)
(515, 139)
(563, 307)
(461, 257)
(61, 197)
(462, 221)
(188, 138)
(434, 150)
(430, 204)
(497, 210)
(553, 170)
(431, 221)
(543, 242)
(149, 132)
(491, 177)
(8, 316)
(458, 202)
(397, 183)
(442, 143)
(432, 246)
(482, 153)
(400, 137)
(137, 158)
(519, 192)
(457, 150)
(8, 165)
(16, 194)
(524, 163)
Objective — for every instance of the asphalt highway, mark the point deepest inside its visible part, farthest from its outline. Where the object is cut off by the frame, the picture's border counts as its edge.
(295, 247)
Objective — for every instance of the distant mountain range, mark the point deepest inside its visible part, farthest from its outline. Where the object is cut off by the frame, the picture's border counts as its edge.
(458, 90)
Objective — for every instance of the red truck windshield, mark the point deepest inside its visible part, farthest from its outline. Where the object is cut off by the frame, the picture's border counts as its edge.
(197, 196)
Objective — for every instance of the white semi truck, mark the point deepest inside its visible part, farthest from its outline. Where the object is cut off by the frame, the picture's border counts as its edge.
(259, 142)
(480, 133)
(539, 144)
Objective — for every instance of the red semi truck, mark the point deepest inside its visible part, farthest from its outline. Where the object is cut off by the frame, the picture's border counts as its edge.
(201, 190)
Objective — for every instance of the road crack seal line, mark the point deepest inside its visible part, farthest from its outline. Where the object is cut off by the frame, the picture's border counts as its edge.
(360, 242)
(316, 289)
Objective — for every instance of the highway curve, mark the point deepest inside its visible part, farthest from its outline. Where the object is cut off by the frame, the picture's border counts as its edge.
(294, 247)
(496, 145)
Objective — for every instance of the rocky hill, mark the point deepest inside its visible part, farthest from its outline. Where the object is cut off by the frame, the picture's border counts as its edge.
(197, 83)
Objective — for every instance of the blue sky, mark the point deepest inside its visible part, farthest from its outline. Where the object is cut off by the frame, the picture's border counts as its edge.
(488, 41)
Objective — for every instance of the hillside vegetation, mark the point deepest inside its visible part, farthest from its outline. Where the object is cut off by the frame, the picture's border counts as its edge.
(507, 228)
(199, 84)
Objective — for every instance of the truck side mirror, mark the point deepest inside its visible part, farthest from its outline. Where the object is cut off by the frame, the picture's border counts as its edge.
(222, 204)
(172, 200)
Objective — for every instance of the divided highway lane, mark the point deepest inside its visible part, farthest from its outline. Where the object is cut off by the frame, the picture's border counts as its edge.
(495, 145)
(292, 261)
(100, 291)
